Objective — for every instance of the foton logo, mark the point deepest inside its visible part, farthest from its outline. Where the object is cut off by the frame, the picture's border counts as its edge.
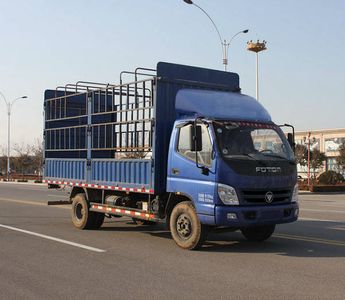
(268, 170)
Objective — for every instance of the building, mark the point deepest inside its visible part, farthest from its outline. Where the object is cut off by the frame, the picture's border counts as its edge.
(325, 140)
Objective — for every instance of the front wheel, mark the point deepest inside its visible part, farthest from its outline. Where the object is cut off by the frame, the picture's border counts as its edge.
(258, 234)
(186, 229)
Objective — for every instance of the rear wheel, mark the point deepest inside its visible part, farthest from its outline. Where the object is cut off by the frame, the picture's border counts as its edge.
(98, 220)
(258, 234)
(82, 217)
(186, 229)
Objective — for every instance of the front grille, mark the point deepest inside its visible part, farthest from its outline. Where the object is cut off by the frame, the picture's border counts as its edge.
(258, 196)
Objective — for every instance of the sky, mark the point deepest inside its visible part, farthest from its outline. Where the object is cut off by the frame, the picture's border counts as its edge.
(45, 44)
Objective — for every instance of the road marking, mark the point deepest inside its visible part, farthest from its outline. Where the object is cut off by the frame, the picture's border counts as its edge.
(341, 227)
(30, 203)
(25, 186)
(340, 206)
(309, 239)
(320, 220)
(318, 202)
(323, 210)
(29, 189)
(53, 239)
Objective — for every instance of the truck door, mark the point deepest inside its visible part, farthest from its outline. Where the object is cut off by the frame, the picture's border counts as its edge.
(192, 173)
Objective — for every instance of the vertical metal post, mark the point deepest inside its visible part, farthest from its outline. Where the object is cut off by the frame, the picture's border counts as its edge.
(143, 117)
(55, 110)
(127, 118)
(44, 142)
(257, 76)
(60, 108)
(8, 139)
(120, 125)
(225, 47)
(65, 112)
(89, 135)
(112, 99)
(308, 159)
(135, 106)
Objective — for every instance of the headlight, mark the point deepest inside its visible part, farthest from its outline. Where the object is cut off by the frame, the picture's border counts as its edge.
(295, 194)
(227, 194)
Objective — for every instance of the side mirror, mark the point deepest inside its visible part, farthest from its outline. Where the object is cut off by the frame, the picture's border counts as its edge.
(291, 140)
(290, 136)
(195, 138)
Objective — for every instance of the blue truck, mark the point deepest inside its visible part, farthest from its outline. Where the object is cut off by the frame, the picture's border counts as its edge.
(179, 144)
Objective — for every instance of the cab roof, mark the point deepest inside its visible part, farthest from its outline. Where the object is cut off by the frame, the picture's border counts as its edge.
(219, 105)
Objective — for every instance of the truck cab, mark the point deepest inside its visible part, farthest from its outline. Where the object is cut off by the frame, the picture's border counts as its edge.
(235, 164)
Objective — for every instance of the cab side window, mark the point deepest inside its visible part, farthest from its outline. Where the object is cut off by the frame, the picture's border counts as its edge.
(184, 147)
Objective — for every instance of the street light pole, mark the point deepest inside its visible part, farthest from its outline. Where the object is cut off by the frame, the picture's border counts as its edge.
(9, 106)
(256, 47)
(257, 76)
(224, 43)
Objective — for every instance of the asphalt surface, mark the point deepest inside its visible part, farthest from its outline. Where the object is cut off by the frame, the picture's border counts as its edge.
(42, 256)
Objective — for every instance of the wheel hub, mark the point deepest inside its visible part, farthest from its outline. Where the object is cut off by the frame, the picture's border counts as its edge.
(79, 211)
(184, 226)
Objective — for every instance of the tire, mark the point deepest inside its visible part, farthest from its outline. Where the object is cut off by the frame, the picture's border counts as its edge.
(143, 222)
(98, 220)
(186, 229)
(82, 217)
(258, 234)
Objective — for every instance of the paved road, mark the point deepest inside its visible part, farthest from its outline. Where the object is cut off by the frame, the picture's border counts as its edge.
(49, 259)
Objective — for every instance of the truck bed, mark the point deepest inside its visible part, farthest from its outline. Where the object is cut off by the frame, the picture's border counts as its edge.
(117, 136)
(105, 173)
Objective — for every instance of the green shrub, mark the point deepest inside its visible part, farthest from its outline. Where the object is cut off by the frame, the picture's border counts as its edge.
(327, 188)
(330, 177)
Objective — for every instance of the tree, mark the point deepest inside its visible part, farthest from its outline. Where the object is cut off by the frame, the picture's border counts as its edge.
(316, 160)
(3, 165)
(341, 157)
(37, 157)
(135, 154)
(301, 154)
(3, 161)
(330, 177)
(24, 159)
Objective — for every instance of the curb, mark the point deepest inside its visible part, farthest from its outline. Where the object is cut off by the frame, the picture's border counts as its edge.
(25, 183)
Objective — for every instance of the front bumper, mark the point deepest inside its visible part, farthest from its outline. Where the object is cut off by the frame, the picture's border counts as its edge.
(247, 216)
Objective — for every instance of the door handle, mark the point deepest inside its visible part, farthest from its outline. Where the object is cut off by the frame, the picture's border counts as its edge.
(175, 171)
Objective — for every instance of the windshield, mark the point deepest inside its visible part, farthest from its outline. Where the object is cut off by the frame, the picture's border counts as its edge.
(252, 141)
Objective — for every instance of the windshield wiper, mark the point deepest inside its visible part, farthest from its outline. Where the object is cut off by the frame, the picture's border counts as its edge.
(278, 156)
(251, 155)
(242, 154)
